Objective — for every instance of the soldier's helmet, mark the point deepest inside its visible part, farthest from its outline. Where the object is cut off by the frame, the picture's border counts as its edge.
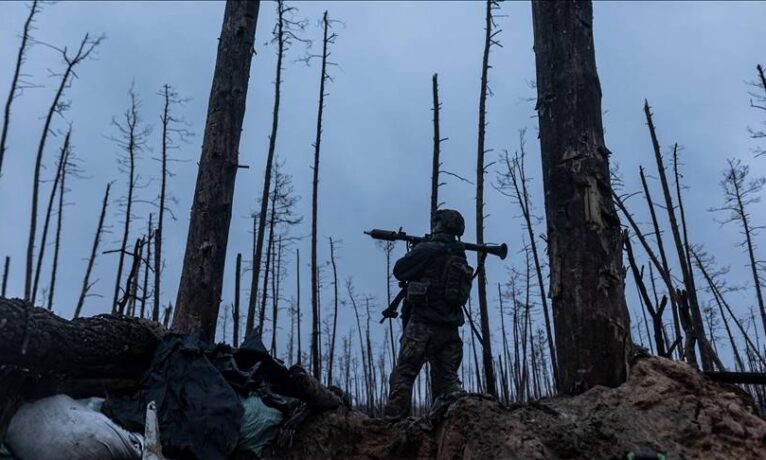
(448, 221)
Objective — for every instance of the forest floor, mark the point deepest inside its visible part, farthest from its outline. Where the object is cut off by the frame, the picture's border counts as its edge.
(664, 407)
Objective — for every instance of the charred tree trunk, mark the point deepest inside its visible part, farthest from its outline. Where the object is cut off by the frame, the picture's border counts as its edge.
(48, 214)
(276, 280)
(150, 234)
(691, 292)
(436, 164)
(298, 303)
(86, 47)
(131, 134)
(199, 291)
(331, 360)
(6, 268)
(103, 346)
(59, 222)
(665, 270)
(584, 240)
(20, 58)
(269, 254)
(86, 285)
(315, 316)
(656, 314)
(258, 253)
(518, 180)
(235, 313)
(166, 119)
(489, 371)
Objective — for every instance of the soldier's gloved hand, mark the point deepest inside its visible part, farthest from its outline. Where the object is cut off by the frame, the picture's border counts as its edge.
(389, 313)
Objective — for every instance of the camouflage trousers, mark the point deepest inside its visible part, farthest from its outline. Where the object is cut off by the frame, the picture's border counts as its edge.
(441, 347)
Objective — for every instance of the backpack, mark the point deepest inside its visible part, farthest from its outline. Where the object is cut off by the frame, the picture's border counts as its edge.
(447, 280)
(457, 278)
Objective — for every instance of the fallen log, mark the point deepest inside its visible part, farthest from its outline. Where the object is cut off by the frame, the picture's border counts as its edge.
(103, 346)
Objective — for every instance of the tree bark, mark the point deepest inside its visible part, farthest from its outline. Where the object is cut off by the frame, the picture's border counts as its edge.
(489, 371)
(25, 36)
(691, 290)
(199, 292)
(48, 214)
(235, 313)
(6, 268)
(102, 346)
(94, 250)
(86, 47)
(436, 162)
(59, 222)
(584, 240)
(315, 316)
(258, 252)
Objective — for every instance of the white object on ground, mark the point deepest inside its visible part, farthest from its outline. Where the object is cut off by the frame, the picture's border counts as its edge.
(59, 427)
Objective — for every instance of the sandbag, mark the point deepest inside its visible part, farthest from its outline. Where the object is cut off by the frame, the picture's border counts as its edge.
(59, 427)
(259, 427)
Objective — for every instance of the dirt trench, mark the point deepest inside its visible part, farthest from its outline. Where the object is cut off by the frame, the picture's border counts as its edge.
(664, 407)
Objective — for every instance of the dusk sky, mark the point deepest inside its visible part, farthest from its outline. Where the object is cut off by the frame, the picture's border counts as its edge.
(691, 60)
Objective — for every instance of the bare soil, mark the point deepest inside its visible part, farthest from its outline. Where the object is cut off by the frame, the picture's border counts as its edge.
(664, 407)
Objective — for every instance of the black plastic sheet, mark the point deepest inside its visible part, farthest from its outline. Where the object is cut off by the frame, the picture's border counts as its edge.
(196, 387)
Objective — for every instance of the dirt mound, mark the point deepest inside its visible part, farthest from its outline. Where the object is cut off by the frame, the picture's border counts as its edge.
(665, 406)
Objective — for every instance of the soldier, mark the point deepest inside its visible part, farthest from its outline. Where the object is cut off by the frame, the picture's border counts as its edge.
(438, 283)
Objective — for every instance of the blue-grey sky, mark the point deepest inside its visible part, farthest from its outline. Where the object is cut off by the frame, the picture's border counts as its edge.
(690, 59)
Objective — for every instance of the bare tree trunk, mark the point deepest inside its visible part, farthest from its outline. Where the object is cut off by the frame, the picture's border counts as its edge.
(6, 268)
(315, 316)
(436, 164)
(166, 316)
(161, 216)
(363, 354)
(258, 253)
(276, 281)
(388, 247)
(644, 295)
(298, 302)
(665, 271)
(48, 213)
(331, 359)
(59, 221)
(199, 291)
(235, 314)
(147, 266)
(86, 47)
(506, 353)
(131, 133)
(269, 253)
(718, 295)
(123, 305)
(705, 355)
(20, 58)
(518, 176)
(479, 386)
(489, 41)
(370, 364)
(584, 241)
(86, 285)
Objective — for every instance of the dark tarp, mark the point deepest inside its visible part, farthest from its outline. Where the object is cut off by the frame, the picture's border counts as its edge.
(195, 386)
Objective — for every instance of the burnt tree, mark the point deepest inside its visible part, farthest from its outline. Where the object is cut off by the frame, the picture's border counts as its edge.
(327, 39)
(16, 84)
(199, 291)
(87, 45)
(584, 240)
(86, 284)
(489, 41)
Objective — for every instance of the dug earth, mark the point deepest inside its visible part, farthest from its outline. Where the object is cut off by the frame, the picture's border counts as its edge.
(665, 407)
